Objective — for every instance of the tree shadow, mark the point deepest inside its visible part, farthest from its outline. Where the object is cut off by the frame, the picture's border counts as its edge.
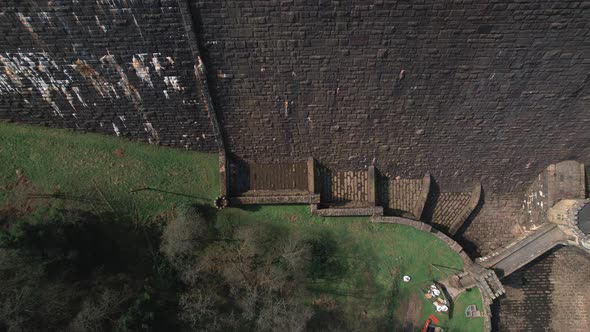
(249, 208)
(167, 192)
(326, 263)
(81, 242)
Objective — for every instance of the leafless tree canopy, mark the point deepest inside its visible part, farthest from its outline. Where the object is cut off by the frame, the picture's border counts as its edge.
(252, 279)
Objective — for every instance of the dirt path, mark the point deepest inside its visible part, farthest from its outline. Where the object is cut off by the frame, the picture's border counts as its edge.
(410, 314)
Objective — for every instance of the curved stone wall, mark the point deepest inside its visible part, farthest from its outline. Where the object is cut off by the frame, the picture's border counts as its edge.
(453, 245)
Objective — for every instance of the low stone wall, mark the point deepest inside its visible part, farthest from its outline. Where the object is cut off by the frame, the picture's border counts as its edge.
(274, 199)
(469, 264)
(347, 212)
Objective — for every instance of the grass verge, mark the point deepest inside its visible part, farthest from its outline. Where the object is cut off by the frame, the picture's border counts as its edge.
(365, 262)
(89, 169)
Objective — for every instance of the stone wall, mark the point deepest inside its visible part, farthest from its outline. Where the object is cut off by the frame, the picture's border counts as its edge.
(119, 67)
(343, 186)
(489, 91)
(547, 295)
(486, 90)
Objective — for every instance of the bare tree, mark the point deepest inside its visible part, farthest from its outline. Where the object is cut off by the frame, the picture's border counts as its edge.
(183, 235)
(96, 312)
(27, 300)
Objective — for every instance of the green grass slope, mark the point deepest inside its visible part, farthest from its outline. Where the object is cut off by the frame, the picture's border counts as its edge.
(365, 262)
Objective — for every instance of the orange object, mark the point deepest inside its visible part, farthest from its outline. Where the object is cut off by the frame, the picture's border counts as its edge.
(433, 319)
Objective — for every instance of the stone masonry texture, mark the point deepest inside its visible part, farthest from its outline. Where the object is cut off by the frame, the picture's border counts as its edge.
(468, 90)
(547, 294)
(489, 91)
(116, 67)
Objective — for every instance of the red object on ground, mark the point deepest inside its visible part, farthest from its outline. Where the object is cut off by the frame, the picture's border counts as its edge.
(433, 319)
(426, 325)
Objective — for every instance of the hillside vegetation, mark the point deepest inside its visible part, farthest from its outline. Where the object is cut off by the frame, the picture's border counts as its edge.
(98, 233)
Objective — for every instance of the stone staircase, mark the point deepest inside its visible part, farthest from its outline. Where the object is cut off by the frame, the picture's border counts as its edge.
(519, 253)
(490, 284)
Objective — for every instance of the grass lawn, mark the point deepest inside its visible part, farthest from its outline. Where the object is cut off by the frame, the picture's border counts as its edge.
(366, 260)
(90, 166)
(457, 321)
(377, 256)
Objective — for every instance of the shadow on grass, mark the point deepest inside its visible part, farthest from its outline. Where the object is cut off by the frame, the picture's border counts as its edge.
(249, 208)
(86, 241)
(167, 192)
(347, 272)
(327, 261)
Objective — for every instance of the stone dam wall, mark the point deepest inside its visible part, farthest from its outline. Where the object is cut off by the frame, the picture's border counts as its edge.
(486, 91)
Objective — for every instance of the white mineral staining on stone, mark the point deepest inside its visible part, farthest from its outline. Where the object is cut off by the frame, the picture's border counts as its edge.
(100, 25)
(41, 72)
(156, 63)
(172, 82)
(77, 92)
(166, 94)
(171, 61)
(114, 3)
(122, 118)
(137, 26)
(69, 97)
(200, 66)
(116, 129)
(77, 19)
(154, 137)
(128, 89)
(142, 71)
(25, 22)
(5, 86)
(44, 16)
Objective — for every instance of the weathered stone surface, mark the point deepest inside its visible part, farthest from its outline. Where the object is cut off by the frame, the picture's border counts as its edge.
(546, 294)
(468, 90)
(490, 92)
(123, 68)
